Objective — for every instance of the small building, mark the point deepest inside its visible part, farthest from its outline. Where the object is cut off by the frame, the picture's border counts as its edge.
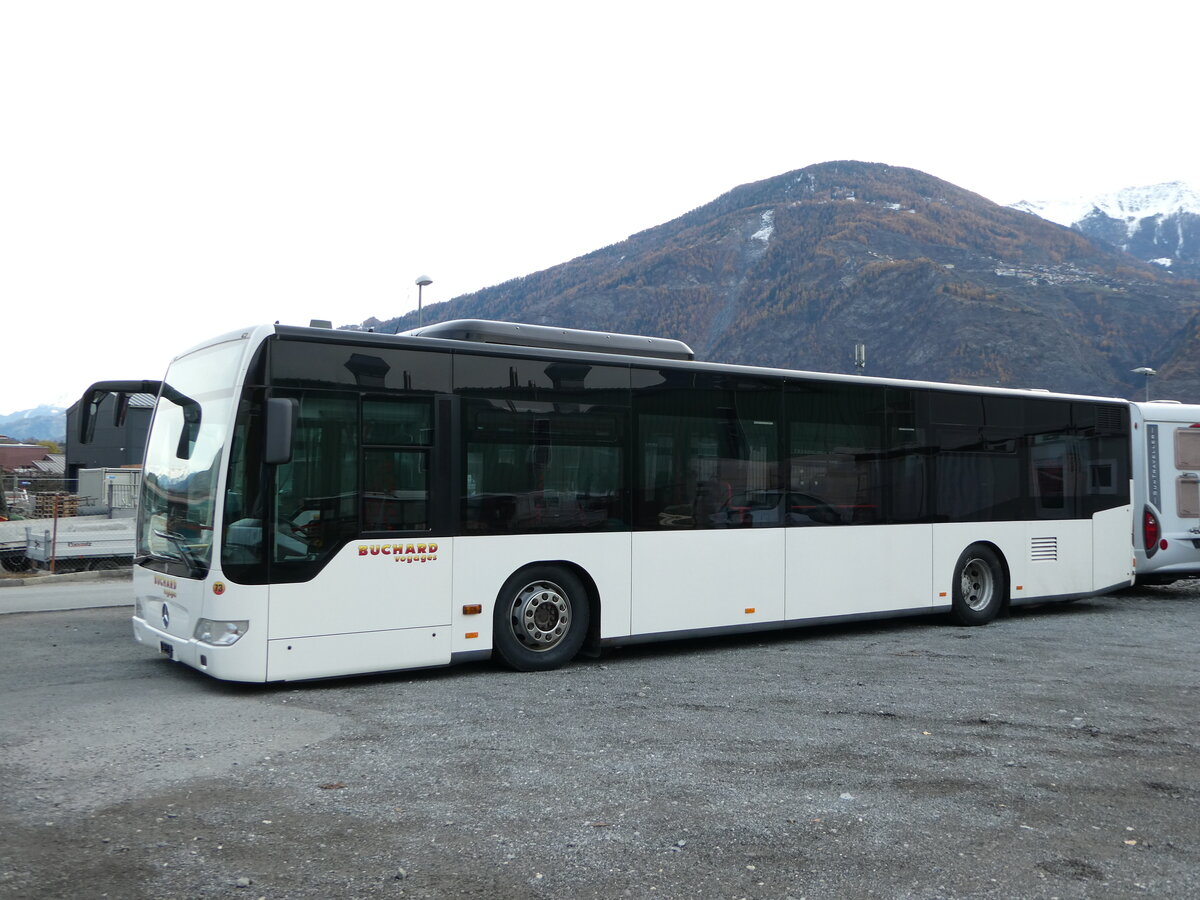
(112, 446)
(53, 466)
(20, 457)
(26, 469)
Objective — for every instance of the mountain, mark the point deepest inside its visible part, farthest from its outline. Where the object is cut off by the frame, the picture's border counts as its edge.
(44, 423)
(1159, 223)
(940, 283)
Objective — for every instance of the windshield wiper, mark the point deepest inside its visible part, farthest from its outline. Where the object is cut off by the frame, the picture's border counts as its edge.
(186, 555)
(161, 557)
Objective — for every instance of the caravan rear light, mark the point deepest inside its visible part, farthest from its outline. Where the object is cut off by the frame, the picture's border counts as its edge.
(1151, 533)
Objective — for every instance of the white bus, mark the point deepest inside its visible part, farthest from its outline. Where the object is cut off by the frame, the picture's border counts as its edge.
(1166, 490)
(318, 503)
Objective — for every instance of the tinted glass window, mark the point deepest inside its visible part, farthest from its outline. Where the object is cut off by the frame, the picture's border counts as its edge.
(1004, 412)
(544, 444)
(314, 364)
(316, 494)
(395, 489)
(539, 466)
(1047, 416)
(246, 493)
(533, 379)
(976, 479)
(396, 435)
(708, 451)
(835, 452)
(907, 460)
(949, 408)
(397, 422)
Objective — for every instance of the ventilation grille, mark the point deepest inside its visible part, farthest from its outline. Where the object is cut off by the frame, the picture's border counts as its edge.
(1042, 549)
(1110, 420)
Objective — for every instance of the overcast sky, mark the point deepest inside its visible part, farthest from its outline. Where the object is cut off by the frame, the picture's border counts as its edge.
(171, 171)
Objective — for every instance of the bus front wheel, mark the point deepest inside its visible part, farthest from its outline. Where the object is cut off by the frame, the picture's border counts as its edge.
(979, 586)
(541, 619)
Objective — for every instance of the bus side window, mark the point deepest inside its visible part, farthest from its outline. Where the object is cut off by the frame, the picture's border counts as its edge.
(835, 441)
(316, 494)
(710, 455)
(396, 435)
(537, 466)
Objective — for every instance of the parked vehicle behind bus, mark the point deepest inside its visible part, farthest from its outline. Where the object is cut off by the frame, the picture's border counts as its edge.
(1166, 490)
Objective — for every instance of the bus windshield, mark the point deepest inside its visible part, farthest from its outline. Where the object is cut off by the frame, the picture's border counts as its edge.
(183, 460)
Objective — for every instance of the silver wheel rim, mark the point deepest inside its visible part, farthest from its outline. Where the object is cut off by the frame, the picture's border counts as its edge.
(541, 616)
(977, 584)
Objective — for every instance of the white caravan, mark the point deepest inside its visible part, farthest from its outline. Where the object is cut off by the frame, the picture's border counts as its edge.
(1166, 490)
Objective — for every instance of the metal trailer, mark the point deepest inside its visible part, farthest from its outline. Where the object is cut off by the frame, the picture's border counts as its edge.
(79, 543)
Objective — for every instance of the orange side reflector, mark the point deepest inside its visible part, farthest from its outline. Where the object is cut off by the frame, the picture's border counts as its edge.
(472, 609)
(942, 594)
(1020, 587)
(750, 611)
(472, 634)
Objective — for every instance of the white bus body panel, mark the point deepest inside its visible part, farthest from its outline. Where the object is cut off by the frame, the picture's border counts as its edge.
(185, 601)
(330, 655)
(854, 570)
(378, 605)
(1112, 561)
(483, 564)
(1166, 480)
(690, 580)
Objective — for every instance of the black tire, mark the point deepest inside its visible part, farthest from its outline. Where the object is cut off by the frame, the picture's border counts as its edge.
(541, 619)
(979, 586)
(15, 564)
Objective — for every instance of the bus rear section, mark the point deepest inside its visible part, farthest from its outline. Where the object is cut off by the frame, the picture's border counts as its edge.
(1166, 459)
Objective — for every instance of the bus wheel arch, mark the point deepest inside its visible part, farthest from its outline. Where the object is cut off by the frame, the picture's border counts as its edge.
(979, 585)
(543, 615)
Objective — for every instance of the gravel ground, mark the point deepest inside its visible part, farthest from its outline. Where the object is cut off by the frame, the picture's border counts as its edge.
(1051, 754)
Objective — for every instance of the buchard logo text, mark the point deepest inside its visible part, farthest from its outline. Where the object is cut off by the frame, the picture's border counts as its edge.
(401, 553)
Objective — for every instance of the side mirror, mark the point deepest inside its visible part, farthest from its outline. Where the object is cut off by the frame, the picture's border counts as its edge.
(190, 430)
(280, 426)
(120, 409)
(89, 404)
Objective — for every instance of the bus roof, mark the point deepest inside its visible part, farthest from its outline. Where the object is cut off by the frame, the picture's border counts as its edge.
(485, 336)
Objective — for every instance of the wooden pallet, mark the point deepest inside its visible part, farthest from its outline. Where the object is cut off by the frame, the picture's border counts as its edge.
(47, 506)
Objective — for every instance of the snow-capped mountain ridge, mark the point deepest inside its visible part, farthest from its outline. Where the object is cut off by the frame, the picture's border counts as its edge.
(1158, 223)
(42, 423)
(1131, 204)
(36, 412)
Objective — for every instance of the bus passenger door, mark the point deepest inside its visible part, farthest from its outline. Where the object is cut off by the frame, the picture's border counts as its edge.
(360, 582)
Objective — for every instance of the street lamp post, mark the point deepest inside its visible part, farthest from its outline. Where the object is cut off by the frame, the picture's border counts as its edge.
(1149, 373)
(422, 280)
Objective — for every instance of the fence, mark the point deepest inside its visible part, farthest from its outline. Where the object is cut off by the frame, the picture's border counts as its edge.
(52, 530)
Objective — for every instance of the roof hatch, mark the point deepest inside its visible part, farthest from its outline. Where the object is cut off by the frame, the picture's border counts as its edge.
(485, 331)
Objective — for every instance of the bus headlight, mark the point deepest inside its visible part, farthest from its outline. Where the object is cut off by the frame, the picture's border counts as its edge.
(220, 634)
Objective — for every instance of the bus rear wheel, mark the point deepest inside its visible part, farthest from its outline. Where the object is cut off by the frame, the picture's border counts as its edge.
(979, 586)
(541, 619)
